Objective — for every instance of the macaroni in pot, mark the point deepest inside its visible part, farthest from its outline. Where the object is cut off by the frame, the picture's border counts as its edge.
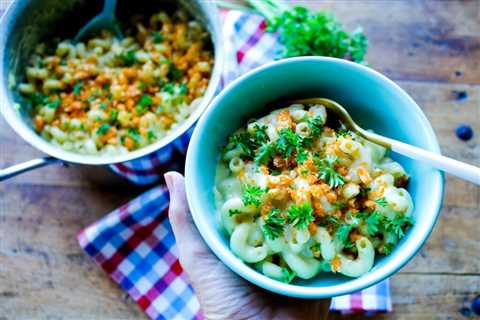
(297, 197)
(110, 96)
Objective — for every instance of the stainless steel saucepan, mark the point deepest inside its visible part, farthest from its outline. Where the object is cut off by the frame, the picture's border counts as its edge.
(28, 22)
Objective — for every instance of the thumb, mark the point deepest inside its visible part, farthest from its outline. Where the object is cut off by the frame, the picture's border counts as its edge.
(190, 245)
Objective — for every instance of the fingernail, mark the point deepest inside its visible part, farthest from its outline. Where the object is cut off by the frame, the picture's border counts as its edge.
(168, 181)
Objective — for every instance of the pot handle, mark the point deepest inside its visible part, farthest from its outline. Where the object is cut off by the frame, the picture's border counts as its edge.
(20, 168)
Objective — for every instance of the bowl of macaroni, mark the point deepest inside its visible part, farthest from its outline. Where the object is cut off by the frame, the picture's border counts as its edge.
(293, 202)
(104, 99)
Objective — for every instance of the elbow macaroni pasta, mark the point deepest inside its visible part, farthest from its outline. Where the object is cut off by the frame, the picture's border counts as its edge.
(298, 198)
(111, 96)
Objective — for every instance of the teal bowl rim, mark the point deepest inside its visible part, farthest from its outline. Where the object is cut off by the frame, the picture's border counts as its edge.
(209, 234)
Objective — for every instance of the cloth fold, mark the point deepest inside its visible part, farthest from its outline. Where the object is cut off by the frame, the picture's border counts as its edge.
(135, 244)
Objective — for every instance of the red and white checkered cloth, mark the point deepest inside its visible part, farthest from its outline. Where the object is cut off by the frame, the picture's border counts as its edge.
(135, 245)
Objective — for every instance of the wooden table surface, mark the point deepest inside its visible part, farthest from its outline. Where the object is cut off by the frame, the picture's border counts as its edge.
(430, 48)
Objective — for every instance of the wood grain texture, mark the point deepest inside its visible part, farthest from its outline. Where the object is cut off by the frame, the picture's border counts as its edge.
(421, 44)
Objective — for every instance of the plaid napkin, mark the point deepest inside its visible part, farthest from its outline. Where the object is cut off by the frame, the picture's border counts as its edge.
(135, 245)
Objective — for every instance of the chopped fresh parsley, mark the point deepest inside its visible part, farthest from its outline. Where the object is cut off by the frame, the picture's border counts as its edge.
(265, 153)
(103, 129)
(300, 215)
(260, 133)
(316, 125)
(342, 233)
(302, 156)
(338, 205)
(252, 195)
(54, 104)
(151, 135)
(274, 224)
(113, 116)
(316, 250)
(399, 224)
(142, 85)
(327, 172)
(135, 135)
(77, 88)
(129, 57)
(233, 212)
(146, 100)
(287, 142)
(388, 248)
(245, 141)
(157, 37)
(38, 98)
(288, 275)
(250, 142)
(143, 104)
(103, 106)
(333, 220)
(174, 73)
(373, 222)
(183, 89)
(343, 133)
(169, 88)
(381, 202)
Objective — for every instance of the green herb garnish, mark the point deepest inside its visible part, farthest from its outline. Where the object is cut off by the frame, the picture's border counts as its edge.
(157, 37)
(265, 153)
(288, 275)
(129, 57)
(143, 104)
(327, 172)
(252, 195)
(77, 88)
(316, 125)
(103, 129)
(300, 215)
(287, 142)
(151, 135)
(302, 155)
(183, 89)
(135, 135)
(274, 224)
(260, 134)
(342, 233)
(54, 104)
(343, 133)
(373, 222)
(399, 224)
(113, 116)
(381, 202)
(174, 73)
(233, 212)
(338, 205)
(306, 33)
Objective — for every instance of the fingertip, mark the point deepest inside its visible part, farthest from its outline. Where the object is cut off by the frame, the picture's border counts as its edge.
(178, 209)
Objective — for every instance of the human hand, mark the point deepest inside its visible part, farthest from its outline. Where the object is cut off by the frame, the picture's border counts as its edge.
(221, 293)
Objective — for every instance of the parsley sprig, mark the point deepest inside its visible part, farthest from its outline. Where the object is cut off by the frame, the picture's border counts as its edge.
(399, 224)
(249, 142)
(327, 172)
(288, 275)
(307, 33)
(316, 125)
(290, 143)
(274, 224)
(382, 202)
(300, 216)
(252, 195)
